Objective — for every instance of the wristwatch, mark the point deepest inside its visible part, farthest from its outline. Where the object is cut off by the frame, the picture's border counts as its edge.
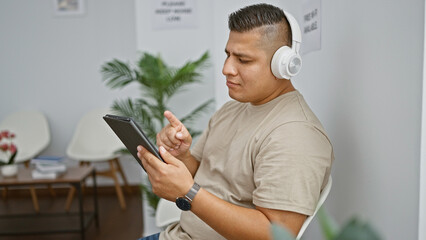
(184, 203)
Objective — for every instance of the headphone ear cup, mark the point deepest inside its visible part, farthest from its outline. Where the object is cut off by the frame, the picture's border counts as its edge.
(285, 63)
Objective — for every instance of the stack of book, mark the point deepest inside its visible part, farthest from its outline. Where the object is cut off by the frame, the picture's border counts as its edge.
(48, 167)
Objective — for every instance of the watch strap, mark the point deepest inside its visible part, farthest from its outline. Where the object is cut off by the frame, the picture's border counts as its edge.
(192, 192)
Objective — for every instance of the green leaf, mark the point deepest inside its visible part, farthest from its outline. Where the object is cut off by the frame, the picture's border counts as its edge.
(150, 196)
(328, 225)
(280, 233)
(197, 112)
(117, 74)
(153, 68)
(123, 151)
(189, 73)
(12, 158)
(357, 230)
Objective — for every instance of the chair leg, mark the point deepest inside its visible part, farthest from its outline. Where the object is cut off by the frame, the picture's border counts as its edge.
(120, 169)
(51, 191)
(84, 164)
(33, 192)
(70, 197)
(117, 185)
(34, 198)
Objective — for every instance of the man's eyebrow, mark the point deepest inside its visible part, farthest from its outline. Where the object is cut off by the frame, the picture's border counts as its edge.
(238, 54)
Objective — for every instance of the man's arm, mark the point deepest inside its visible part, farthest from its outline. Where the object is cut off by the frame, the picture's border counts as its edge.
(235, 222)
(174, 180)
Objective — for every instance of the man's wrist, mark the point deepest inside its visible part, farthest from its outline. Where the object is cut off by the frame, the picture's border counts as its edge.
(185, 156)
(184, 203)
(192, 192)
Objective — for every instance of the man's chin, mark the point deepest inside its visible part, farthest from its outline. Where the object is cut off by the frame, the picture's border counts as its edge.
(236, 97)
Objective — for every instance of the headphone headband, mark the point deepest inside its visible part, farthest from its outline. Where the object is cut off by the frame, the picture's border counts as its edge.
(296, 34)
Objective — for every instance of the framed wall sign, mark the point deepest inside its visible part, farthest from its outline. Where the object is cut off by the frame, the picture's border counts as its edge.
(69, 7)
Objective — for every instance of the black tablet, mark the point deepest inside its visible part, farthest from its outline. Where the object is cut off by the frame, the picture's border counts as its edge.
(131, 135)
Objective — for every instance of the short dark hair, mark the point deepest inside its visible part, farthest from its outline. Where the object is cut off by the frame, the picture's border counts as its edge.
(262, 15)
(253, 16)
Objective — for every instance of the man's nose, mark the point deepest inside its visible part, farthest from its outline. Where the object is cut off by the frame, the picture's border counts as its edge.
(229, 68)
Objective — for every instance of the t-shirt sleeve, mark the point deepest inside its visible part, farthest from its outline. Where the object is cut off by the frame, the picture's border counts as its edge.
(197, 149)
(290, 168)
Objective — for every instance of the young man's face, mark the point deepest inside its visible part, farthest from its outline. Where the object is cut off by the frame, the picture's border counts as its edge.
(248, 71)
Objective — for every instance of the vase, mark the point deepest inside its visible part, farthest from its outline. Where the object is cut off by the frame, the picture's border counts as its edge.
(9, 170)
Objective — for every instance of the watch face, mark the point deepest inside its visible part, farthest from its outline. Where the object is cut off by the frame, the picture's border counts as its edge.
(183, 204)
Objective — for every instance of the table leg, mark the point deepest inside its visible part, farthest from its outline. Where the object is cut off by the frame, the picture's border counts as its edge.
(80, 203)
(95, 198)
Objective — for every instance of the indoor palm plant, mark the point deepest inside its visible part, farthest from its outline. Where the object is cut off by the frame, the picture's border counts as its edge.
(158, 83)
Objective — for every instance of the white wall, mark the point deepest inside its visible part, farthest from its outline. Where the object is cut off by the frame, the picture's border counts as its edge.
(422, 188)
(367, 88)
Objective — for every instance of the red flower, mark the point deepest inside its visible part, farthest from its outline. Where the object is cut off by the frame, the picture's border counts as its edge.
(8, 147)
(12, 148)
(5, 134)
(4, 147)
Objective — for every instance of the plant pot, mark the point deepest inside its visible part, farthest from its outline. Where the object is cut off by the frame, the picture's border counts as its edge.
(9, 170)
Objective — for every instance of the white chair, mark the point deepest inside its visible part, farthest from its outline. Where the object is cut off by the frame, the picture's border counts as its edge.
(32, 137)
(166, 214)
(321, 200)
(32, 133)
(93, 142)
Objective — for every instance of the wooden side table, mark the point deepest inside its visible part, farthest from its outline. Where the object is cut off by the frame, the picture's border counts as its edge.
(74, 176)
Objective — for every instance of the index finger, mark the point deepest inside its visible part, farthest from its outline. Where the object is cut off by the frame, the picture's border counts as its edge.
(174, 121)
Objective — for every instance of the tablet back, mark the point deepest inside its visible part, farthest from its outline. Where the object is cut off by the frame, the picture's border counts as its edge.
(131, 135)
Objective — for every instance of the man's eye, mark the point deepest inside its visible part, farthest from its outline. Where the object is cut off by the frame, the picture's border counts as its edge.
(243, 60)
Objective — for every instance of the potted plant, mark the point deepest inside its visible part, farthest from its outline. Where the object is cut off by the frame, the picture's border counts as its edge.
(8, 152)
(158, 84)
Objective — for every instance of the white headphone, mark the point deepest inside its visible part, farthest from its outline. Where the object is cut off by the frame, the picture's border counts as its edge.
(286, 62)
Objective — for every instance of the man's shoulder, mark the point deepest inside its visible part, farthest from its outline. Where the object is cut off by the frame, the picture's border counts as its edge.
(293, 110)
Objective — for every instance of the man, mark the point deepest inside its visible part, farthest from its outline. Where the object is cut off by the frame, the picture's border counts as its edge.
(263, 158)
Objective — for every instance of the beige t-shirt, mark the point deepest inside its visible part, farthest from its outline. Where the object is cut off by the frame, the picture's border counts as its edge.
(276, 155)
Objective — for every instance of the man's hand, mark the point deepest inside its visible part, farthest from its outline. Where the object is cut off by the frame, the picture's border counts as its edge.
(169, 180)
(174, 137)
